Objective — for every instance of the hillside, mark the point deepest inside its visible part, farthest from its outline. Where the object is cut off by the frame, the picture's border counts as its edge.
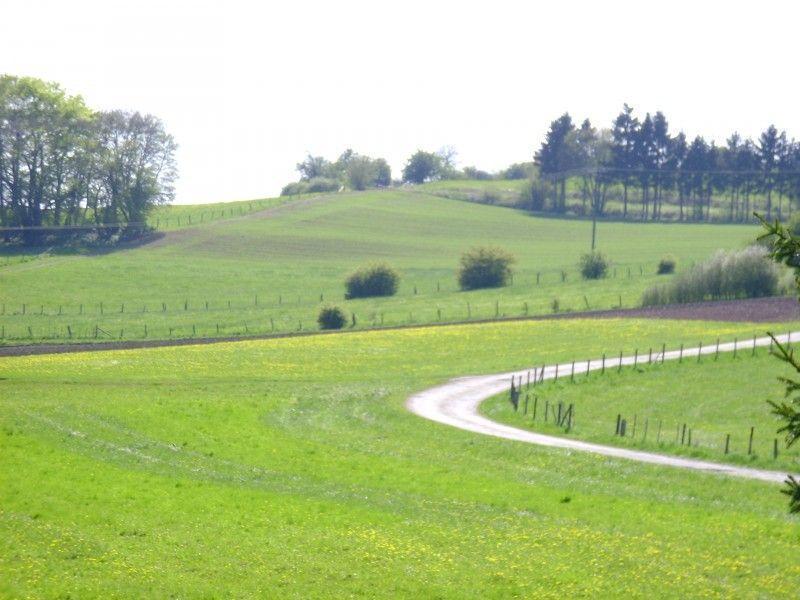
(269, 269)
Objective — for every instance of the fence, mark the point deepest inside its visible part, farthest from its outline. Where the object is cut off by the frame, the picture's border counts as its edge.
(638, 428)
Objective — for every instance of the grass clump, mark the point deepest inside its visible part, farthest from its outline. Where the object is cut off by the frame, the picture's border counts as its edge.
(487, 267)
(744, 273)
(666, 265)
(378, 279)
(331, 317)
(593, 265)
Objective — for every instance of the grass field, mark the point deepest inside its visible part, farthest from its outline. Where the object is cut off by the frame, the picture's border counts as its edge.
(290, 468)
(714, 398)
(265, 272)
(181, 216)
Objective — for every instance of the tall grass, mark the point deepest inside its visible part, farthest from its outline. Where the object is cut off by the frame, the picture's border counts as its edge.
(744, 273)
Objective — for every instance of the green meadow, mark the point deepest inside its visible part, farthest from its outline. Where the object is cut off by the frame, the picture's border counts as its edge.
(714, 398)
(290, 468)
(270, 270)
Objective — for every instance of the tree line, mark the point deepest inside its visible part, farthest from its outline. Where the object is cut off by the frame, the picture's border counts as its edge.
(644, 166)
(65, 165)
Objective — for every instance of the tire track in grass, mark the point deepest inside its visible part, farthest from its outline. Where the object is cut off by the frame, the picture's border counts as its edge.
(456, 403)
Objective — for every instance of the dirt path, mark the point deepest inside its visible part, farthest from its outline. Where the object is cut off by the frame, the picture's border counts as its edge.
(456, 403)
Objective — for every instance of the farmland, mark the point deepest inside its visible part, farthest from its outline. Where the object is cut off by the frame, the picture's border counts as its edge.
(268, 271)
(290, 467)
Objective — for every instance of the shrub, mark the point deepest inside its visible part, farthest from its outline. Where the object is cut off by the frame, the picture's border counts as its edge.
(484, 268)
(744, 273)
(373, 280)
(331, 317)
(323, 184)
(316, 184)
(490, 197)
(666, 265)
(593, 265)
(534, 194)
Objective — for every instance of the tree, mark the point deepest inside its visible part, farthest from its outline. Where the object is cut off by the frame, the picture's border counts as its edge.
(421, 167)
(62, 164)
(770, 149)
(383, 173)
(678, 150)
(557, 155)
(137, 168)
(314, 166)
(645, 155)
(362, 172)
(662, 144)
(623, 137)
(785, 248)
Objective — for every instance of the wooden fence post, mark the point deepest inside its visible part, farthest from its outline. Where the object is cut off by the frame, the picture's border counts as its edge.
(727, 442)
(750, 443)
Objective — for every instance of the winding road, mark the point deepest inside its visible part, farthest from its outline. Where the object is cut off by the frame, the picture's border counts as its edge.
(456, 403)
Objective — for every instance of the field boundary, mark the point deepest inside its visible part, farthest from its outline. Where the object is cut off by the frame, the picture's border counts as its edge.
(787, 309)
(456, 403)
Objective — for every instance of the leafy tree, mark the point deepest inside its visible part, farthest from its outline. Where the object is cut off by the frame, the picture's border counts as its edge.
(517, 171)
(422, 166)
(383, 173)
(362, 172)
(314, 166)
(62, 164)
(785, 248)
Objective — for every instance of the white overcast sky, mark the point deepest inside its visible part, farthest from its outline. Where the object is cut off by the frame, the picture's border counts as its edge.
(247, 88)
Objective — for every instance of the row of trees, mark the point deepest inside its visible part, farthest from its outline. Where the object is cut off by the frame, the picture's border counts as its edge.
(353, 170)
(358, 172)
(642, 160)
(62, 164)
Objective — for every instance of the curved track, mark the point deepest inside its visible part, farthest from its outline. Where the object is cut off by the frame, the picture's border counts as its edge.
(456, 403)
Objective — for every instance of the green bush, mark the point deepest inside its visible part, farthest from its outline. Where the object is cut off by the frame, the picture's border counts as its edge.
(485, 268)
(744, 273)
(593, 265)
(666, 265)
(331, 317)
(316, 184)
(373, 280)
(534, 194)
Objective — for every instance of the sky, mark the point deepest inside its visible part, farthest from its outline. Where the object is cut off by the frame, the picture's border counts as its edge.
(249, 88)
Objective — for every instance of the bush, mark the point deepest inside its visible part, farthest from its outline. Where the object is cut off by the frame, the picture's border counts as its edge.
(744, 273)
(534, 194)
(317, 184)
(373, 280)
(484, 268)
(666, 265)
(331, 317)
(593, 265)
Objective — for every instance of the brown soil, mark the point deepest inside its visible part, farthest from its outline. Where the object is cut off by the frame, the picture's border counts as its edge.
(758, 310)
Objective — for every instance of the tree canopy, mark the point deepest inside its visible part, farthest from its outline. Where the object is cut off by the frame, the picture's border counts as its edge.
(62, 164)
